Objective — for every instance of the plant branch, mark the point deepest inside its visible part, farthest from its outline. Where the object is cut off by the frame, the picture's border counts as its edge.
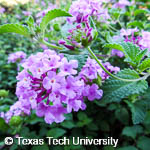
(51, 45)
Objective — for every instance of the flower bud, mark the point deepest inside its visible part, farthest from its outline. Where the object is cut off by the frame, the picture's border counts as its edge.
(62, 42)
(15, 121)
(56, 27)
(3, 93)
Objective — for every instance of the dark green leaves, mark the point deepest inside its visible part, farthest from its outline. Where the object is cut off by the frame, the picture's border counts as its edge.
(132, 131)
(52, 15)
(56, 132)
(30, 22)
(143, 143)
(3, 125)
(140, 11)
(115, 90)
(128, 148)
(15, 28)
(133, 54)
(144, 65)
(138, 110)
(135, 24)
(114, 46)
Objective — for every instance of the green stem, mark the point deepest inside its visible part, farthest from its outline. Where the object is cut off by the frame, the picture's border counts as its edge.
(126, 80)
(112, 28)
(51, 45)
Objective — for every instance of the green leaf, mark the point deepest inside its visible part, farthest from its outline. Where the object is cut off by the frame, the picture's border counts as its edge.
(82, 116)
(143, 143)
(2, 143)
(115, 90)
(114, 46)
(30, 22)
(92, 23)
(108, 37)
(15, 28)
(140, 11)
(42, 147)
(68, 124)
(3, 125)
(109, 148)
(138, 110)
(122, 115)
(93, 127)
(132, 131)
(135, 24)
(127, 148)
(147, 119)
(56, 132)
(140, 56)
(83, 119)
(52, 15)
(131, 52)
(104, 126)
(146, 98)
(147, 123)
(144, 65)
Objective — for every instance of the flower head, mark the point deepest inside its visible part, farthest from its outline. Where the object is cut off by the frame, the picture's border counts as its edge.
(50, 85)
(17, 56)
(81, 10)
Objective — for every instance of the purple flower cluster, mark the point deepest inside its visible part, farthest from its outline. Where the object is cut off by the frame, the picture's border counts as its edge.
(50, 85)
(91, 70)
(27, 13)
(19, 108)
(81, 10)
(2, 10)
(122, 4)
(16, 57)
(127, 35)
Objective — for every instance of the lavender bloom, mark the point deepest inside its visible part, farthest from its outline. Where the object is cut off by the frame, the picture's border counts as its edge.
(92, 92)
(127, 32)
(81, 10)
(49, 81)
(116, 52)
(27, 13)
(68, 68)
(2, 114)
(17, 56)
(51, 113)
(42, 13)
(17, 109)
(91, 70)
(122, 4)
(145, 40)
(2, 10)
